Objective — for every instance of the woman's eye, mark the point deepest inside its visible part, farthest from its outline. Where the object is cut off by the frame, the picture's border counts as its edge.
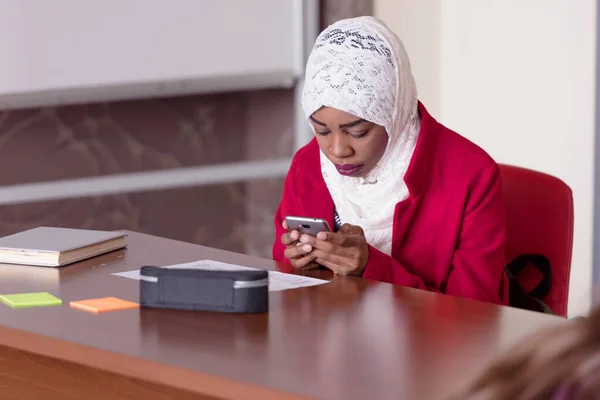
(358, 135)
(324, 133)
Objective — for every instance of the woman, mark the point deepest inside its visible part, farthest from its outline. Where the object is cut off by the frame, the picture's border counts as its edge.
(412, 202)
(560, 363)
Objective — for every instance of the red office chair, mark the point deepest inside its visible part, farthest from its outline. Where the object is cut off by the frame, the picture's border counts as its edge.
(539, 215)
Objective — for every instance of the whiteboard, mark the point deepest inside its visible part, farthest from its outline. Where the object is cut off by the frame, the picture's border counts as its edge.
(65, 51)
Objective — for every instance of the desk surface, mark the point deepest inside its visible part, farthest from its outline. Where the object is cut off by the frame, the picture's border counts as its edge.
(348, 339)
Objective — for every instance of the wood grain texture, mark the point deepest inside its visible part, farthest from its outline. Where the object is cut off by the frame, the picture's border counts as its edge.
(27, 376)
(347, 339)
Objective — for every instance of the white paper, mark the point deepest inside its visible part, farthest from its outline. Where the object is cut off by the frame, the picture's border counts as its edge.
(277, 280)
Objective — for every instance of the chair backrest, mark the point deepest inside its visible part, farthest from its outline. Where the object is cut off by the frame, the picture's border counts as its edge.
(539, 215)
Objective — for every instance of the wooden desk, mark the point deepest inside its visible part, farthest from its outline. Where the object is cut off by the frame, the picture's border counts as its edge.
(348, 339)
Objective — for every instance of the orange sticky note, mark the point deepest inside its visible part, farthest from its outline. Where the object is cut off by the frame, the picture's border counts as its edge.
(103, 304)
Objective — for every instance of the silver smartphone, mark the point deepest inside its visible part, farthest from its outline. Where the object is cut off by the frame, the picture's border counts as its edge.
(309, 226)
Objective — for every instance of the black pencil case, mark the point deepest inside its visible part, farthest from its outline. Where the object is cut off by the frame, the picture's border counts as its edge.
(200, 290)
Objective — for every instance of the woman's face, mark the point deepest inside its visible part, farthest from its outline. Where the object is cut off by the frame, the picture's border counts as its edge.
(352, 144)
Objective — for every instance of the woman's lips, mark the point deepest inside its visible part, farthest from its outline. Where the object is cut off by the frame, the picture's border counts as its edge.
(348, 169)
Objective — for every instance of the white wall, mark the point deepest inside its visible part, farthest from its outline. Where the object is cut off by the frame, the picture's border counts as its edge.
(417, 23)
(518, 78)
(78, 51)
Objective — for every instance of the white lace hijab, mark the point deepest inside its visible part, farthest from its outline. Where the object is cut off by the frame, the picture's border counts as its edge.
(359, 66)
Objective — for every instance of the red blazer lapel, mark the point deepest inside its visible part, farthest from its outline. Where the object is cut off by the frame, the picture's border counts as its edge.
(416, 178)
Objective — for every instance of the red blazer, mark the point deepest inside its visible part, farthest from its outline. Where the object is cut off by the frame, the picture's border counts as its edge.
(448, 235)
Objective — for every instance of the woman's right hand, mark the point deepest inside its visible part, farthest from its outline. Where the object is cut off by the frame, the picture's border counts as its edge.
(298, 254)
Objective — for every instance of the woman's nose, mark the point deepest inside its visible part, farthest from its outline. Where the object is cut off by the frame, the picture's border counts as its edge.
(339, 146)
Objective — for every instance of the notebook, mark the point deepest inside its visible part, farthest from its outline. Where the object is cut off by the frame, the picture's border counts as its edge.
(54, 247)
(104, 304)
(22, 300)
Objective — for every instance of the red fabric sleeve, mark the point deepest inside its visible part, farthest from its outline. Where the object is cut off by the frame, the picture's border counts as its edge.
(288, 206)
(381, 267)
(479, 260)
(477, 270)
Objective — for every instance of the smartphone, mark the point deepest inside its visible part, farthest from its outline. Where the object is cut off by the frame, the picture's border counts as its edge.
(309, 226)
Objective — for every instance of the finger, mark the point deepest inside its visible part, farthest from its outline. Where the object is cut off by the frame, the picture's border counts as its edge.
(307, 239)
(304, 262)
(336, 269)
(311, 265)
(292, 252)
(334, 262)
(345, 228)
(349, 229)
(290, 237)
(285, 225)
(339, 246)
(326, 246)
(332, 237)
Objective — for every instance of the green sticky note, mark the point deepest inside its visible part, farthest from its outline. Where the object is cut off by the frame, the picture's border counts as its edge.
(22, 300)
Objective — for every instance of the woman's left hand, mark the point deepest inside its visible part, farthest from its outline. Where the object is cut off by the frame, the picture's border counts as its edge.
(345, 252)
